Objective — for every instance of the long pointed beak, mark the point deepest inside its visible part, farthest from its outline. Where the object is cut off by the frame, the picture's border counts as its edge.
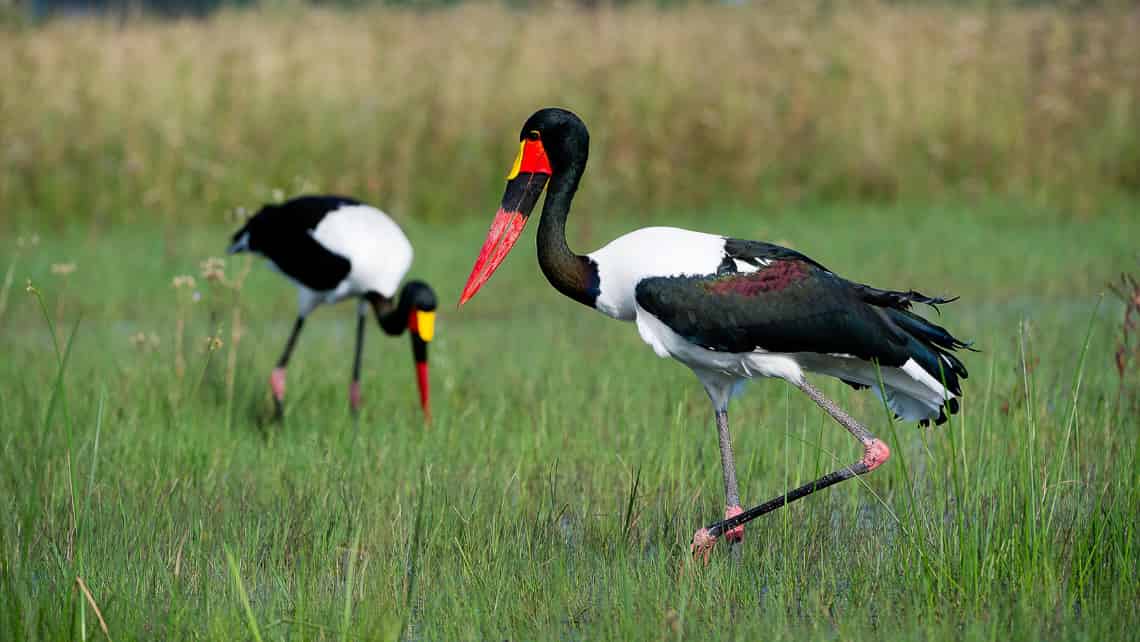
(425, 388)
(240, 244)
(525, 183)
(422, 328)
(419, 352)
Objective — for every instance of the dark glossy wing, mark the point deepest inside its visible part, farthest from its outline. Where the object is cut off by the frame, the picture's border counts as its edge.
(791, 303)
(308, 262)
(758, 253)
(283, 233)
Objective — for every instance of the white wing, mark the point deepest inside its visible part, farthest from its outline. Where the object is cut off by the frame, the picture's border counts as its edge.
(377, 248)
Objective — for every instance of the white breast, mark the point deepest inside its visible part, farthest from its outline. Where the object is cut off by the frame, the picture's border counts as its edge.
(650, 252)
(377, 248)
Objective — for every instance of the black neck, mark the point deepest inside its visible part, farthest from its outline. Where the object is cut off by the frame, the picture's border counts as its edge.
(392, 315)
(571, 274)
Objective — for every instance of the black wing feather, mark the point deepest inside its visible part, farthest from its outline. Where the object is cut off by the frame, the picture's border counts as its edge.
(283, 233)
(758, 252)
(309, 263)
(791, 303)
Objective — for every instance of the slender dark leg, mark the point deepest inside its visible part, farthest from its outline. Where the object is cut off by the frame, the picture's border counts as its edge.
(354, 387)
(875, 452)
(731, 490)
(277, 378)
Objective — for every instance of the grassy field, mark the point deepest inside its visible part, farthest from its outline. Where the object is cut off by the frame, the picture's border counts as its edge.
(555, 492)
(779, 103)
(988, 153)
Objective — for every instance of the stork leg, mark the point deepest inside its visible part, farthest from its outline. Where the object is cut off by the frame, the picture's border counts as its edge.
(731, 490)
(354, 387)
(719, 388)
(277, 378)
(875, 452)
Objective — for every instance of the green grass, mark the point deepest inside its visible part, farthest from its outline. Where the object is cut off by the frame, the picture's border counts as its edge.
(513, 515)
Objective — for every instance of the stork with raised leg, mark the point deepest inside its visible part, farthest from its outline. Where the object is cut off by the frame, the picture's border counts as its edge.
(729, 309)
(334, 248)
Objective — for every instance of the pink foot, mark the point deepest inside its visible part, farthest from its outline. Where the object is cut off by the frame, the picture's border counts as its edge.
(277, 383)
(354, 395)
(874, 454)
(736, 535)
(702, 545)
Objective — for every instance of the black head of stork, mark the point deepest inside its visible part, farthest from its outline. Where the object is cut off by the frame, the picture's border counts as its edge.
(554, 145)
(413, 312)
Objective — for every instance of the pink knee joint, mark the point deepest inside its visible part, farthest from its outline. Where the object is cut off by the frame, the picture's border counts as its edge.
(734, 535)
(277, 383)
(875, 454)
(354, 395)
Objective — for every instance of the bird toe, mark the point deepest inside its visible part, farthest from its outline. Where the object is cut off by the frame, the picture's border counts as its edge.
(702, 545)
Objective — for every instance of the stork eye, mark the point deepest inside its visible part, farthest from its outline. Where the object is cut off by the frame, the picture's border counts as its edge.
(533, 135)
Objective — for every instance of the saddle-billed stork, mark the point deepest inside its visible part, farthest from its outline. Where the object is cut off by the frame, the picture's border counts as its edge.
(334, 248)
(729, 309)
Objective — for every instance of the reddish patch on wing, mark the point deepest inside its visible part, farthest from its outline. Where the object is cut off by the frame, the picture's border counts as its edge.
(773, 278)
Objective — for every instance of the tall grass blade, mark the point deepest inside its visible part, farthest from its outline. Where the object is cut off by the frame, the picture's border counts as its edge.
(412, 562)
(94, 607)
(349, 586)
(627, 522)
(1073, 422)
(235, 572)
(7, 285)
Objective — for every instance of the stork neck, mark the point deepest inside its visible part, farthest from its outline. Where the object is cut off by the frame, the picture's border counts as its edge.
(392, 315)
(571, 274)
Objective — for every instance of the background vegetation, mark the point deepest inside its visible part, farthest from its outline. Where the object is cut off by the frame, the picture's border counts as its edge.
(983, 152)
(700, 106)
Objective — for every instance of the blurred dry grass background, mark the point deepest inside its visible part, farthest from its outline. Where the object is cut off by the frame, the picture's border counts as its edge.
(418, 111)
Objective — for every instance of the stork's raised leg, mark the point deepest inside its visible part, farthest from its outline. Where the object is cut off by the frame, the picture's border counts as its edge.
(277, 378)
(875, 452)
(354, 387)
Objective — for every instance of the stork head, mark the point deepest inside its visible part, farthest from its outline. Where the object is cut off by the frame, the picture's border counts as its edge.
(247, 238)
(551, 142)
(414, 312)
(421, 305)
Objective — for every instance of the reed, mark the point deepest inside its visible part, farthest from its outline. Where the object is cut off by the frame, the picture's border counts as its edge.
(706, 105)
